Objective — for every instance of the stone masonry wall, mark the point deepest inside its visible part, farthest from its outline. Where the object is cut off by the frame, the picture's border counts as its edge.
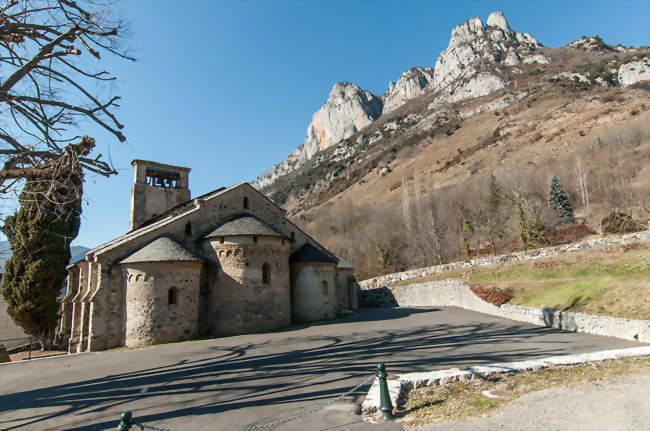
(240, 301)
(386, 280)
(150, 318)
(314, 291)
(455, 293)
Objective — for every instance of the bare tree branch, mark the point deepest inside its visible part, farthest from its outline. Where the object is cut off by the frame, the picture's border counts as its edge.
(48, 85)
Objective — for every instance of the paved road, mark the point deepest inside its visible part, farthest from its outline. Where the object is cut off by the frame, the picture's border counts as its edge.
(233, 382)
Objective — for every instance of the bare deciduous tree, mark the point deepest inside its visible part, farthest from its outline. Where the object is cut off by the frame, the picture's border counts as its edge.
(50, 51)
(581, 182)
(406, 204)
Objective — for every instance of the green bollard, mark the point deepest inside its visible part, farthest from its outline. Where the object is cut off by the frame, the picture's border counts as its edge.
(125, 421)
(385, 404)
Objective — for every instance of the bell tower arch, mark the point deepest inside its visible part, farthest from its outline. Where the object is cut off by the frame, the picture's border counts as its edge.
(156, 188)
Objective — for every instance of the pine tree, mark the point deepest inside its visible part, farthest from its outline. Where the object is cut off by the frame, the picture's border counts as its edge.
(40, 233)
(559, 203)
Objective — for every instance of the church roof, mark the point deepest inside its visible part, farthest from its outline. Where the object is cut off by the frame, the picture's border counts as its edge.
(344, 264)
(162, 249)
(243, 224)
(309, 253)
(186, 210)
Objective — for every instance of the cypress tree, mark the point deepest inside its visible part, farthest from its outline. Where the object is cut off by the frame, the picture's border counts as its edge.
(40, 233)
(559, 203)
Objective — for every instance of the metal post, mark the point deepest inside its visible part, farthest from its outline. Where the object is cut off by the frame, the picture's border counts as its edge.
(385, 404)
(125, 421)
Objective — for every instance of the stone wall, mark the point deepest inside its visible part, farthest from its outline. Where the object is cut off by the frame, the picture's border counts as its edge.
(314, 291)
(455, 293)
(239, 300)
(346, 289)
(151, 318)
(386, 280)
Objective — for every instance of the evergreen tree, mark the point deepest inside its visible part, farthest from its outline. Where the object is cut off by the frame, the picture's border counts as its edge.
(559, 203)
(40, 233)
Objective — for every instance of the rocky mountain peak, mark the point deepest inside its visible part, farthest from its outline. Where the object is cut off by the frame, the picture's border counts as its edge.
(472, 46)
(410, 85)
(347, 110)
(466, 32)
(497, 19)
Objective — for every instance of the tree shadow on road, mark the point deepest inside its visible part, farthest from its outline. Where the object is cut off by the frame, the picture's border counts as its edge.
(228, 378)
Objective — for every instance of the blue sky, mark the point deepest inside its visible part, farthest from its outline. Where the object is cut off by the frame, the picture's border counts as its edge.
(228, 88)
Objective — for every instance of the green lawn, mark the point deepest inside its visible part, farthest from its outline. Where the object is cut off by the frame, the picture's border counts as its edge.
(608, 281)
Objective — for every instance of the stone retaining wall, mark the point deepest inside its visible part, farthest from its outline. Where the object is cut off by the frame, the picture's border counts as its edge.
(389, 279)
(455, 293)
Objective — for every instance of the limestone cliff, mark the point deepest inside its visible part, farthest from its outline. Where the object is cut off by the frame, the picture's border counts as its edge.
(347, 110)
(411, 84)
(466, 69)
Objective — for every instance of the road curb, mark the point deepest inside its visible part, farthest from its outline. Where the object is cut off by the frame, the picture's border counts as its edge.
(402, 384)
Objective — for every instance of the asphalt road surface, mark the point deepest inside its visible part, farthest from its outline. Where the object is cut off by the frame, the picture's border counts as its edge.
(234, 382)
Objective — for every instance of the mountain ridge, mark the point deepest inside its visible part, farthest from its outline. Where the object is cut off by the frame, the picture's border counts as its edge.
(350, 108)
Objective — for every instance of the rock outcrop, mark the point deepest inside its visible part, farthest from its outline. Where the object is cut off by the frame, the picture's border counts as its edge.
(459, 72)
(594, 43)
(293, 161)
(411, 84)
(347, 110)
(633, 72)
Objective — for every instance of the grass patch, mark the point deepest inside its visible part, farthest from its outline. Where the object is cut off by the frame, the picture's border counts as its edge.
(608, 281)
(461, 400)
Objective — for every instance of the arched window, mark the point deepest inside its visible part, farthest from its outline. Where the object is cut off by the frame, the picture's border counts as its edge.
(266, 273)
(188, 228)
(325, 287)
(172, 296)
(245, 203)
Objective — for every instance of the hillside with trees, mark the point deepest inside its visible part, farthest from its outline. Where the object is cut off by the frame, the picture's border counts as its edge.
(558, 152)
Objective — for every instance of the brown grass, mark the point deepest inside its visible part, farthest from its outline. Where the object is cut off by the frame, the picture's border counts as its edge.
(461, 400)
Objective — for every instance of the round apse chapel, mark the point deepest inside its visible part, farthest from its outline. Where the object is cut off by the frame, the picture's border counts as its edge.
(251, 292)
(162, 281)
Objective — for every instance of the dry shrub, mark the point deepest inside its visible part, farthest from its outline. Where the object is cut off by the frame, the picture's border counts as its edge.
(568, 234)
(619, 222)
(493, 295)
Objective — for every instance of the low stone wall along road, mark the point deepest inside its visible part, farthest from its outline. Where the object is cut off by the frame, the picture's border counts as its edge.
(230, 383)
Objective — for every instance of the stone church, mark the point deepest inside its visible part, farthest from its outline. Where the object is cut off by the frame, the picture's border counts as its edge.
(228, 262)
